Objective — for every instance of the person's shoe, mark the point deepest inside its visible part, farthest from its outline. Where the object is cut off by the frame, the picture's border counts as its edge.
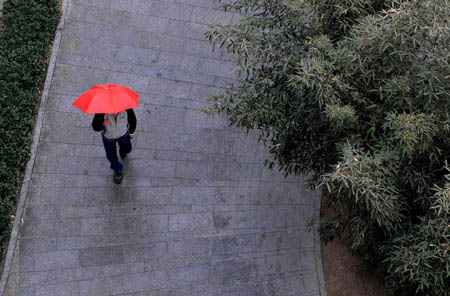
(118, 177)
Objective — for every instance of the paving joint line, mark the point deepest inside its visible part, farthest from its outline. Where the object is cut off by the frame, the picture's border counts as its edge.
(146, 76)
(193, 5)
(165, 33)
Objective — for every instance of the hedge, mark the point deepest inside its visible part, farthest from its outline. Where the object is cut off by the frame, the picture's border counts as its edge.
(29, 28)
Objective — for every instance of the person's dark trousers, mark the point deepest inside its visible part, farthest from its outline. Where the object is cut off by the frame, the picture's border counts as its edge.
(111, 151)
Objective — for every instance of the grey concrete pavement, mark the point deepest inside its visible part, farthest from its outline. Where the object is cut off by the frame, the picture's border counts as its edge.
(1, 7)
(197, 213)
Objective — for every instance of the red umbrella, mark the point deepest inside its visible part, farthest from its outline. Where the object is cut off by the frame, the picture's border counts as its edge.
(107, 98)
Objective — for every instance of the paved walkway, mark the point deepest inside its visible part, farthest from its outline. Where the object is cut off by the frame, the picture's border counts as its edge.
(197, 213)
(1, 7)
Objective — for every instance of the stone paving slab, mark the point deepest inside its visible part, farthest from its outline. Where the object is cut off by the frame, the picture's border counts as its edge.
(197, 212)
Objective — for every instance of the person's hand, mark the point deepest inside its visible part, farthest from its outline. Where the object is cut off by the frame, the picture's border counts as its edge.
(106, 122)
(131, 136)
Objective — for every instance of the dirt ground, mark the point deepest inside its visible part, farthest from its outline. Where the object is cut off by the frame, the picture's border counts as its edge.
(345, 274)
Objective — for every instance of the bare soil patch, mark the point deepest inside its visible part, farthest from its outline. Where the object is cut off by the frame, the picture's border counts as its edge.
(346, 274)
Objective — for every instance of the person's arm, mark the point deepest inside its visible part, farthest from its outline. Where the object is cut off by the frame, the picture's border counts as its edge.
(131, 122)
(97, 122)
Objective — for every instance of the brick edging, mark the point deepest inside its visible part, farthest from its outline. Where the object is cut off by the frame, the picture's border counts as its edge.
(317, 248)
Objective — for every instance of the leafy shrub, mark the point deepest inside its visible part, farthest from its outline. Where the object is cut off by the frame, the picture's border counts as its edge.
(28, 29)
(356, 94)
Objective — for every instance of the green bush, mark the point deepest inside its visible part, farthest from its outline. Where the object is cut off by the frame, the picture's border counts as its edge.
(28, 29)
(356, 94)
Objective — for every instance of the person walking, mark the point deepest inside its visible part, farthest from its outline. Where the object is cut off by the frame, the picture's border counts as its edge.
(116, 129)
(114, 117)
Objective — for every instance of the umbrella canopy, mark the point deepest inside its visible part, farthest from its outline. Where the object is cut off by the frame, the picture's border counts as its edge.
(107, 98)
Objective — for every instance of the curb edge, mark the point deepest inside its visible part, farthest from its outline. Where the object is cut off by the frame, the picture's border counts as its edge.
(317, 248)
